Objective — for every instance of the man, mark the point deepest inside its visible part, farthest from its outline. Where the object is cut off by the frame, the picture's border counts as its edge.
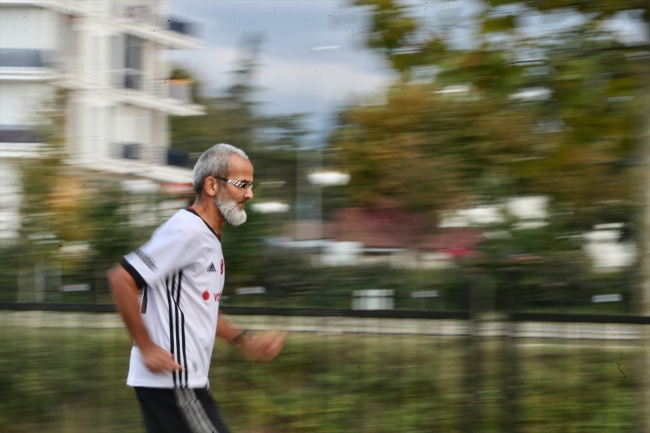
(168, 293)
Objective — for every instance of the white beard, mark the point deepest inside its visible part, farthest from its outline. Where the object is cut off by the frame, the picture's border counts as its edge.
(228, 209)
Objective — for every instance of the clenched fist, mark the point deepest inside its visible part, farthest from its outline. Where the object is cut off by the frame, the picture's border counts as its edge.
(262, 347)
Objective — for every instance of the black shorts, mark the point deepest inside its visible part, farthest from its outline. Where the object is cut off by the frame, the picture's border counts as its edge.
(180, 410)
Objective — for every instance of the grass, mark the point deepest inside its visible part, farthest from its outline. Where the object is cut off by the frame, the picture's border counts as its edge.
(71, 380)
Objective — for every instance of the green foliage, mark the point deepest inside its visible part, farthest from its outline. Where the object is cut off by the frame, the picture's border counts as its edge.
(499, 24)
(72, 380)
(294, 281)
(595, 8)
(112, 223)
(12, 258)
(244, 248)
(468, 135)
(401, 37)
(426, 150)
(40, 177)
(531, 271)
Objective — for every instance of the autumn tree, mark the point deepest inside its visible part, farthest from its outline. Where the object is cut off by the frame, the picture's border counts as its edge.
(555, 116)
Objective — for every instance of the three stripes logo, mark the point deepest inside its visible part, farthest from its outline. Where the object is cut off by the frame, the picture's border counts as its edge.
(146, 259)
(211, 268)
(173, 284)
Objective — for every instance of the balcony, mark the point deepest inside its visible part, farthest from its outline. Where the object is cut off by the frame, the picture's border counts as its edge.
(158, 163)
(133, 79)
(157, 155)
(179, 90)
(183, 27)
(145, 19)
(170, 96)
(18, 64)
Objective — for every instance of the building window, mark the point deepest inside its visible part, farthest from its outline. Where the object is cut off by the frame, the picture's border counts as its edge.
(24, 58)
(133, 64)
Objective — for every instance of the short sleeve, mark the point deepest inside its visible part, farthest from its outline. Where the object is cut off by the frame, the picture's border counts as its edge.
(167, 251)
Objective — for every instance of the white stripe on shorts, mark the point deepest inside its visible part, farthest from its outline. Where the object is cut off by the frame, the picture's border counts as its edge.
(193, 411)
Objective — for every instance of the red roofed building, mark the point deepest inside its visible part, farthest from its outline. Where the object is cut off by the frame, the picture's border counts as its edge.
(392, 232)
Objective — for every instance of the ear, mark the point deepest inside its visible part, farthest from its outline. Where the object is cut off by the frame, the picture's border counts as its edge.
(211, 186)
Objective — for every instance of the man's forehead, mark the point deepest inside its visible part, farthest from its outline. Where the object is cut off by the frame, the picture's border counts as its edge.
(237, 163)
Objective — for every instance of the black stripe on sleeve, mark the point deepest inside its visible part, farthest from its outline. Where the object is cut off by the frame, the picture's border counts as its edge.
(171, 327)
(177, 347)
(177, 352)
(135, 274)
(178, 305)
(145, 299)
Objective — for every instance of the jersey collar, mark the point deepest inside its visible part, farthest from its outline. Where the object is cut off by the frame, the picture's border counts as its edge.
(192, 210)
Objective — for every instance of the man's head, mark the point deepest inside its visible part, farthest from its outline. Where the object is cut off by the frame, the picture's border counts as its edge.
(225, 174)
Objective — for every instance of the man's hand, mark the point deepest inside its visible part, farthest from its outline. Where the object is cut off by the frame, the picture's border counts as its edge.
(158, 360)
(262, 347)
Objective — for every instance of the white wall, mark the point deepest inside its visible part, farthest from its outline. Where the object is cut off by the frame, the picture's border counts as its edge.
(89, 50)
(10, 193)
(28, 27)
(21, 101)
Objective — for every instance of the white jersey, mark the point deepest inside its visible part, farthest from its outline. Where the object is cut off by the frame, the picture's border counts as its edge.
(181, 272)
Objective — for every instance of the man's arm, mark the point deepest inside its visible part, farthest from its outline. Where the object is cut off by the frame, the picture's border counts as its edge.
(226, 329)
(126, 293)
(263, 347)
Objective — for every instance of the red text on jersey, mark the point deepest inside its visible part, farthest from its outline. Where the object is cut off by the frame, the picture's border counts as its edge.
(208, 296)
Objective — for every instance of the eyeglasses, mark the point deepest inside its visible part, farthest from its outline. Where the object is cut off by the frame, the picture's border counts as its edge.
(242, 185)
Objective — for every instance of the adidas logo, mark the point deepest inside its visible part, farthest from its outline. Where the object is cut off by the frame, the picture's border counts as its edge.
(211, 268)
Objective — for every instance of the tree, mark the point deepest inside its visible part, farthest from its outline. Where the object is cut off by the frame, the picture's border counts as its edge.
(427, 151)
(577, 128)
(40, 175)
(233, 116)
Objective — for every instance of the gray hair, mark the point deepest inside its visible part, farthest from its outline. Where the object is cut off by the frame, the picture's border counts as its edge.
(214, 162)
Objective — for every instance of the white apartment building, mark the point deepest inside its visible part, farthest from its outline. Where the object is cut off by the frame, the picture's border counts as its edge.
(109, 56)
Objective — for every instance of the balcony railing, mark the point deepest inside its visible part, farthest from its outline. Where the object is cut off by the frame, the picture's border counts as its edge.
(157, 155)
(138, 152)
(137, 11)
(180, 90)
(146, 12)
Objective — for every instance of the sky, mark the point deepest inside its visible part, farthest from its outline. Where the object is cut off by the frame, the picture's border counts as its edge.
(313, 57)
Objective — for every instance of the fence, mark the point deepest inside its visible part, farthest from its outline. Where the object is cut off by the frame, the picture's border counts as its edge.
(344, 370)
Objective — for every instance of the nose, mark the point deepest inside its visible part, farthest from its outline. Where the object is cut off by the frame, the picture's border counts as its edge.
(248, 195)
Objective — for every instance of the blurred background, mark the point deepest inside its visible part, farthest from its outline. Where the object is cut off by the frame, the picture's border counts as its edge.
(451, 213)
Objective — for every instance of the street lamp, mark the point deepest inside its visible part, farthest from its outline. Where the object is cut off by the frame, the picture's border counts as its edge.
(323, 179)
